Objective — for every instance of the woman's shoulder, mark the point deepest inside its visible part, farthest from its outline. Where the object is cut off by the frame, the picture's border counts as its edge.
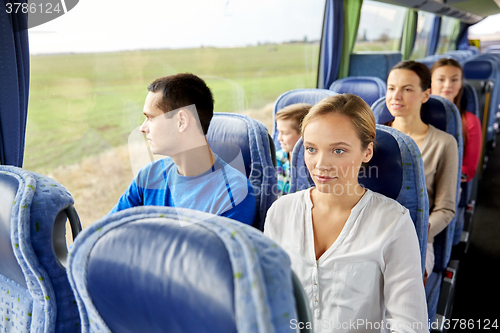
(440, 137)
(381, 202)
(472, 120)
(291, 198)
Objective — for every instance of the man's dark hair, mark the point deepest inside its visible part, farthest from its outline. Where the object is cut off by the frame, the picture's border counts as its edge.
(182, 90)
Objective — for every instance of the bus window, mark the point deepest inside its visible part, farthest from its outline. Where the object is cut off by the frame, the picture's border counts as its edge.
(89, 81)
(380, 27)
(446, 41)
(424, 27)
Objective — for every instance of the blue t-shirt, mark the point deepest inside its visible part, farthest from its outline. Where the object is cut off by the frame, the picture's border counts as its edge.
(222, 190)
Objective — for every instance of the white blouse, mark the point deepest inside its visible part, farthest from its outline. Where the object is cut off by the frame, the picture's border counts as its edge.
(369, 279)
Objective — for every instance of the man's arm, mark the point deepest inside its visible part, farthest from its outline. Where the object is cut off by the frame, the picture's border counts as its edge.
(245, 211)
(131, 198)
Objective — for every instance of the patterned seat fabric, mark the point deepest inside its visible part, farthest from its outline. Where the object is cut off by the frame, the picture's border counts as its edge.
(38, 297)
(244, 143)
(148, 268)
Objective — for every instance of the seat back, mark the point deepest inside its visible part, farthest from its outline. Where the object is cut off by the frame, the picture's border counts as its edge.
(234, 137)
(483, 73)
(396, 170)
(377, 64)
(369, 88)
(148, 268)
(309, 96)
(492, 49)
(469, 101)
(445, 116)
(33, 214)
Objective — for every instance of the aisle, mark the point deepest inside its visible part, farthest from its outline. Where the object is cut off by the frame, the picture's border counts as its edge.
(478, 293)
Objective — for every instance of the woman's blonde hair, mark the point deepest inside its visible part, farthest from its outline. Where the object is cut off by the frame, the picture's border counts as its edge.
(351, 106)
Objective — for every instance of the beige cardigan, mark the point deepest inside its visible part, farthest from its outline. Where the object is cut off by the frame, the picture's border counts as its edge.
(440, 155)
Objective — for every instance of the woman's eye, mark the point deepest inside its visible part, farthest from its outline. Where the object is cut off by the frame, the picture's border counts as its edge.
(338, 151)
(310, 150)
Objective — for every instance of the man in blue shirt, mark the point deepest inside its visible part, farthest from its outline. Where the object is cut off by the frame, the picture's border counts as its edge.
(178, 111)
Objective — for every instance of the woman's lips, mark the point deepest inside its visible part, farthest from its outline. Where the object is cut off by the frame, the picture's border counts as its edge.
(323, 179)
(396, 106)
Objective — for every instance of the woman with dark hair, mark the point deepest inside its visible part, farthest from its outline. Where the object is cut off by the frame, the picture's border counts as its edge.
(447, 78)
(355, 251)
(408, 87)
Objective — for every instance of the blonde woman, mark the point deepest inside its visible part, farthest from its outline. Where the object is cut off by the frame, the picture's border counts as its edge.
(355, 251)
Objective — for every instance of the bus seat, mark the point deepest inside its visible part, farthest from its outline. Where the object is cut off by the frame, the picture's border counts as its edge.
(369, 88)
(310, 96)
(445, 116)
(252, 138)
(492, 49)
(483, 73)
(36, 295)
(429, 60)
(377, 64)
(469, 101)
(146, 269)
(396, 170)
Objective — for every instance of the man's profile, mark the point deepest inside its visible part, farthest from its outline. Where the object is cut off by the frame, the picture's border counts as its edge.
(178, 112)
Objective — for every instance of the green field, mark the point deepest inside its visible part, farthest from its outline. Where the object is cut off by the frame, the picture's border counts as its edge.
(83, 104)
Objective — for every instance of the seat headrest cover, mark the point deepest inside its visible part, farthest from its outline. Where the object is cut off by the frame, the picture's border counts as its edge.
(469, 100)
(478, 69)
(384, 172)
(153, 274)
(369, 88)
(179, 268)
(225, 129)
(433, 112)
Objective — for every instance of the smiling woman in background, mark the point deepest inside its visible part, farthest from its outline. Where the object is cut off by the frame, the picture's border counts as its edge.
(408, 87)
(355, 251)
(447, 78)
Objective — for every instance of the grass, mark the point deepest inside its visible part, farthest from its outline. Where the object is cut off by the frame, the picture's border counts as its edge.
(83, 107)
(82, 104)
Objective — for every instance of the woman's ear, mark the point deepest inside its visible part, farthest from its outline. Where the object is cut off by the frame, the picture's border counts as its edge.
(426, 95)
(368, 153)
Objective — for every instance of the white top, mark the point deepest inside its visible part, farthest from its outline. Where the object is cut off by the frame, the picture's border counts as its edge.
(369, 279)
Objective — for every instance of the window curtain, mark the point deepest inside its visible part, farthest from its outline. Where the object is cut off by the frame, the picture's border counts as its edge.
(463, 37)
(352, 13)
(14, 85)
(409, 33)
(331, 43)
(434, 36)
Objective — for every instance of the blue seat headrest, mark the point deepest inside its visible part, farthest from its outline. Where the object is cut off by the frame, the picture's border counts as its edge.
(478, 69)
(369, 88)
(469, 101)
(384, 172)
(433, 112)
(227, 134)
(137, 295)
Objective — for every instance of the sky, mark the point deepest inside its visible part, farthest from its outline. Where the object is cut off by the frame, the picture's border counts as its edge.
(96, 25)
(112, 25)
